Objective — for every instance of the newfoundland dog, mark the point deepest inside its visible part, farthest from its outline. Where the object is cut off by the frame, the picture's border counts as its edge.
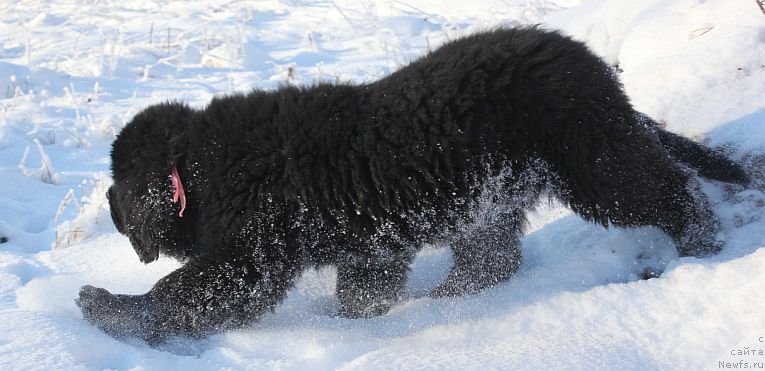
(256, 187)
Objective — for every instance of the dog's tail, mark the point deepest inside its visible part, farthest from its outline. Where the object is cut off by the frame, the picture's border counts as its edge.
(709, 163)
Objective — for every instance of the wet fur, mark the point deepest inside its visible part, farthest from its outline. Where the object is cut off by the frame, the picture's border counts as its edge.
(359, 176)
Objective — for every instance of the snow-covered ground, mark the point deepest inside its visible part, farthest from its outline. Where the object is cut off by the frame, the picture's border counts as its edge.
(73, 73)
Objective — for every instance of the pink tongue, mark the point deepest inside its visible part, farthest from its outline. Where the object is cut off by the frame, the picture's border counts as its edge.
(179, 193)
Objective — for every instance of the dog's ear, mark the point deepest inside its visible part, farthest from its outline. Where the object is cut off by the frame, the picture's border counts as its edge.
(176, 122)
(155, 139)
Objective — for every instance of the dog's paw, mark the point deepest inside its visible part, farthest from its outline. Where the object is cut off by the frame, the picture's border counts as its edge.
(459, 285)
(117, 315)
(451, 290)
(96, 304)
(357, 312)
(444, 291)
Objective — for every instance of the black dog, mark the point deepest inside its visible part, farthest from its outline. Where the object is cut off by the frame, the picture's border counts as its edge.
(255, 188)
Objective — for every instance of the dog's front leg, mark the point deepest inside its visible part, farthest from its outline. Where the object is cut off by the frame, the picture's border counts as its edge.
(117, 315)
(198, 299)
(369, 284)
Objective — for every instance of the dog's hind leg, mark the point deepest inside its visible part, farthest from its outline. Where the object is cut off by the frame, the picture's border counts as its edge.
(698, 235)
(679, 209)
(628, 179)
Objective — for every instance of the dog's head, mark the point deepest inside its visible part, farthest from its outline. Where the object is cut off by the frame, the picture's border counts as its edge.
(141, 198)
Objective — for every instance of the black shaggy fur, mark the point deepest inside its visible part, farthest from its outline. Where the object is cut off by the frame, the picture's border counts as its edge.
(359, 176)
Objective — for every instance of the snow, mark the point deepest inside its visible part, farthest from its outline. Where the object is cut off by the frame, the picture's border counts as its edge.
(73, 73)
